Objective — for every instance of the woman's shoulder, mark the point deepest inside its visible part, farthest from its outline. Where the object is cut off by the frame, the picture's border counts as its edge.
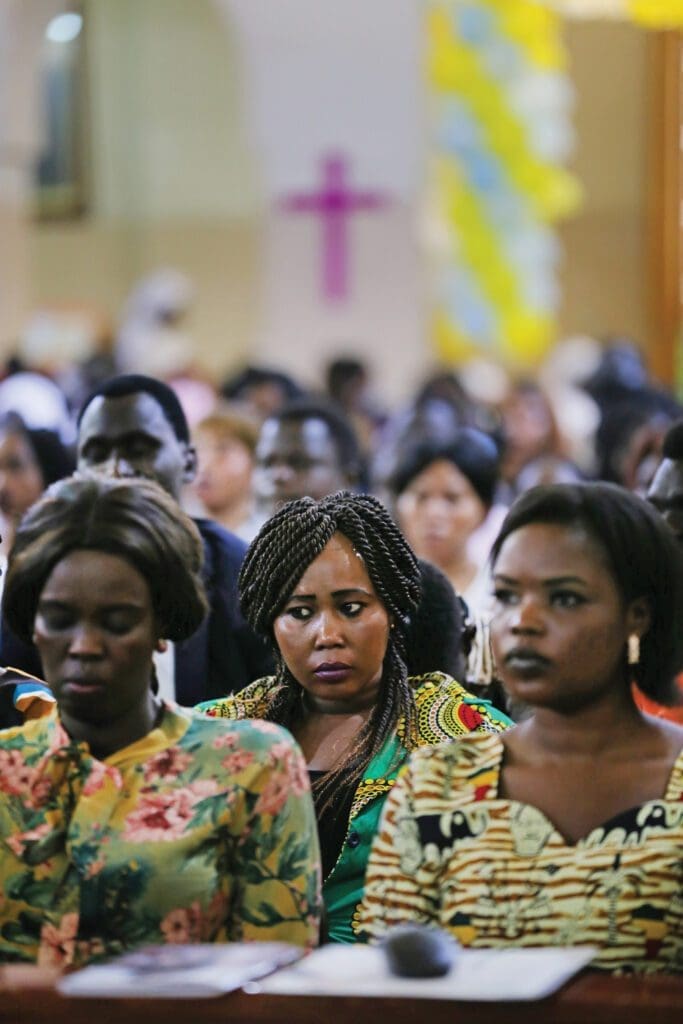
(223, 733)
(251, 702)
(468, 767)
(446, 710)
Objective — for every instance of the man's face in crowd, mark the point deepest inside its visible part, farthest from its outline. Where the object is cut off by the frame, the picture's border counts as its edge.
(295, 459)
(130, 436)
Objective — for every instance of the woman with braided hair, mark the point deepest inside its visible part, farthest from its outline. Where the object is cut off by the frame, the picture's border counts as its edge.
(333, 585)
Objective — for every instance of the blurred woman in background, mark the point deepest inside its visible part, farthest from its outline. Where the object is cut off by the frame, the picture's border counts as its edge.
(30, 460)
(225, 443)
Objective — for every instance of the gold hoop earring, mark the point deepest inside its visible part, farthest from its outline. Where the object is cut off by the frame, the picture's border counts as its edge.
(633, 649)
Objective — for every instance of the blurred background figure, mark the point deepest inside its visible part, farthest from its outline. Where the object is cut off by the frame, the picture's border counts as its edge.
(635, 413)
(261, 389)
(442, 494)
(225, 443)
(39, 401)
(151, 338)
(348, 385)
(30, 460)
(529, 428)
(306, 449)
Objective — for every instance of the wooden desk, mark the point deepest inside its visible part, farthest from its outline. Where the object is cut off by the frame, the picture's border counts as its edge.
(27, 996)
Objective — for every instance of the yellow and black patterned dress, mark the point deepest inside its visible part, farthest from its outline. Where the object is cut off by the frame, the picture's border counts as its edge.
(496, 872)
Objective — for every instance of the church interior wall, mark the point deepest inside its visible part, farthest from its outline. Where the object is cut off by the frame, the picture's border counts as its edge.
(173, 180)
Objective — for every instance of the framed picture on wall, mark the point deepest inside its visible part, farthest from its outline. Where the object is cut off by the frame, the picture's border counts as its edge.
(61, 169)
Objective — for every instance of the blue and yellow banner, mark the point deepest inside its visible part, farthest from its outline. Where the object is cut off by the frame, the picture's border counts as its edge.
(502, 104)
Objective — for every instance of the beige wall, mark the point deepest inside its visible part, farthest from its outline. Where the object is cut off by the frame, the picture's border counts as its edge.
(173, 180)
(604, 272)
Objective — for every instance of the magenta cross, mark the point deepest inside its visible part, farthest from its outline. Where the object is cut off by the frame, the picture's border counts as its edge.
(334, 201)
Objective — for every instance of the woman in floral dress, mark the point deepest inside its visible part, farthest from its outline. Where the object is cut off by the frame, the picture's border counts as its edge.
(125, 820)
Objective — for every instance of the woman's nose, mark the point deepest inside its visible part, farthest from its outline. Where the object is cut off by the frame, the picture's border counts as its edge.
(85, 641)
(527, 615)
(117, 465)
(328, 632)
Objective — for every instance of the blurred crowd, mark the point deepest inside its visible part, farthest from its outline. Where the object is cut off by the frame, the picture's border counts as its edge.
(448, 462)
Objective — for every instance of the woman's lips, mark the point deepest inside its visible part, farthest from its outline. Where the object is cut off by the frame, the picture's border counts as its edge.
(332, 672)
(81, 686)
(525, 662)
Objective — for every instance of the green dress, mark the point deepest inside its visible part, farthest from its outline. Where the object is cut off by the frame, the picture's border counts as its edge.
(201, 831)
(445, 711)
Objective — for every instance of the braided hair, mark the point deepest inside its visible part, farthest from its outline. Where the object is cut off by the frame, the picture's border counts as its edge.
(274, 564)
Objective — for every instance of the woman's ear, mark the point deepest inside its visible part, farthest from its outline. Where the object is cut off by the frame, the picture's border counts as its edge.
(638, 617)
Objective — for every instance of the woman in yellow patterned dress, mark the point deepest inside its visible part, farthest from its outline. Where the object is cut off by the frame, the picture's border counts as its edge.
(333, 585)
(125, 820)
(567, 829)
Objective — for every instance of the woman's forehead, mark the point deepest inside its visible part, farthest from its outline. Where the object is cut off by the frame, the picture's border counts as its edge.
(338, 566)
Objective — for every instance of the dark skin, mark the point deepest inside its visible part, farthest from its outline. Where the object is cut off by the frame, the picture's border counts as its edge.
(96, 631)
(333, 618)
(559, 635)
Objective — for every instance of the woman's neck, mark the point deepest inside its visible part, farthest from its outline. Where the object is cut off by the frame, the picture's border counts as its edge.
(461, 573)
(592, 731)
(105, 739)
(325, 738)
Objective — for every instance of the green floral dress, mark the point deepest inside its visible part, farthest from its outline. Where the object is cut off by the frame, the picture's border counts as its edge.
(201, 831)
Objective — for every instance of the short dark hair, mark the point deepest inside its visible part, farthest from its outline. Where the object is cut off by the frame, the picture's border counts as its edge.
(343, 370)
(132, 384)
(672, 446)
(471, 451)
(134, 519)
(238, 386)
(343, 434)
(642, 552)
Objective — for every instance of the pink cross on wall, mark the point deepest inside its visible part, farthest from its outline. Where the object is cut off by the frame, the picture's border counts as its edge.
(334, 201)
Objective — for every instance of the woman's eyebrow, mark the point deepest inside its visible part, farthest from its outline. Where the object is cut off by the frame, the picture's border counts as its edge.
(335, 593)
(551, 581)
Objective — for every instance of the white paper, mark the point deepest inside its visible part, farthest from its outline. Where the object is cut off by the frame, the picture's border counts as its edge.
(478, 974)
(189, 972)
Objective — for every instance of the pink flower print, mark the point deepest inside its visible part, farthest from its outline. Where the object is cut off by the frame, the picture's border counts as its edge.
(98, 773)
(201, 789)
(275, 793)
(39, 794)
(299, 779)
(168, 764)
(237, 761)
(268, 728)
(226, 739)
(58, 943)
(183, 924)
(15, 774)
(279, 751)
(159, 817)
(18, 843)
(290, 760)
